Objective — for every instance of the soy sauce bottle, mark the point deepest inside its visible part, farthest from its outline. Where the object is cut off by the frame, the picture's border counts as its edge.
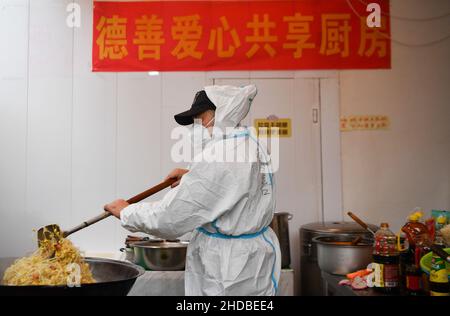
(387, 257)
(413, 273)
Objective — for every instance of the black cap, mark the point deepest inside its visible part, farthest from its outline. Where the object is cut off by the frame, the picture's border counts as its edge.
(201, 104)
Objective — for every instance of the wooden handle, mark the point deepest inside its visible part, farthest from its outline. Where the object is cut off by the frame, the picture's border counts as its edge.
(356, 240)
(440, 252)
(151, 191)
(356, 219)
(360, 222)
(134, 199)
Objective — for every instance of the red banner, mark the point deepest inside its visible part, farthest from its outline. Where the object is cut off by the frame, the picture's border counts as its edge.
(238, 35)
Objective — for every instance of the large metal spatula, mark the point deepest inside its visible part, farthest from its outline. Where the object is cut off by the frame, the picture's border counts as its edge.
(54, 232)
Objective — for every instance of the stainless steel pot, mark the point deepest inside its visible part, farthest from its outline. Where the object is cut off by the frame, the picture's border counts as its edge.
(311, 280)
(160, 255)
(128, 250)
(336, 258)
(280, 225)
(129, 253)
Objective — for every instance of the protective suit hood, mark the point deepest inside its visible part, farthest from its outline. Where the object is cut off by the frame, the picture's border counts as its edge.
(232, 104)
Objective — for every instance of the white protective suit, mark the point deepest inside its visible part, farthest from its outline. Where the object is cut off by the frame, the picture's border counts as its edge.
(228, 205)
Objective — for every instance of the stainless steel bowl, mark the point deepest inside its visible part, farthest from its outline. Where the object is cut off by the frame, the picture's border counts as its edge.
(160, 255)
(129, 253)
(341, 259)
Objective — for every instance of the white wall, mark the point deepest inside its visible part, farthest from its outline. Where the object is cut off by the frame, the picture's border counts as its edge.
(388, 173)
(13, 122)
(72, 140)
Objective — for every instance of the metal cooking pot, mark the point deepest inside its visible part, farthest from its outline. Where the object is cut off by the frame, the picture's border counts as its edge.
(114, 278)
(160, 255)
(341, 259)
(129, 253)
(280, 225)
(128, 250)
(310, 274)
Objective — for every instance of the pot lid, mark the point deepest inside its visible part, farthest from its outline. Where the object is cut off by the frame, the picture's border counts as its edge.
(337, 227)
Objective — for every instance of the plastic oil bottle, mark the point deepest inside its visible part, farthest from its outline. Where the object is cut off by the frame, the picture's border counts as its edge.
(386, 256)
(439, 285)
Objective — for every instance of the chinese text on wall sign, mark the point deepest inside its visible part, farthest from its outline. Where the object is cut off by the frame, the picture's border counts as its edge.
(244, 35)
(273, 127)
(364, 122)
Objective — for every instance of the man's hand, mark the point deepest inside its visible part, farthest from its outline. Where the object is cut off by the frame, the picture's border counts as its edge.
(176, 174)
(116, 207)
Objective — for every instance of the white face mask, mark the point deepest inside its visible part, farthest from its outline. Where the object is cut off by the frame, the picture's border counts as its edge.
(199, 136)
(210, 125)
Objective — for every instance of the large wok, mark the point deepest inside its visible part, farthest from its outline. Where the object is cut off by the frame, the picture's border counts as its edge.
(114, 278)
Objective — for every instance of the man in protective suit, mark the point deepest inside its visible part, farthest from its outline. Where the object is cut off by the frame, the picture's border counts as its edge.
(228, 205)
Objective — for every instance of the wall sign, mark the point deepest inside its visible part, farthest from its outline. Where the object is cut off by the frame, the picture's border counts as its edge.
(238, 35)
(364, 122)
(273, 127)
